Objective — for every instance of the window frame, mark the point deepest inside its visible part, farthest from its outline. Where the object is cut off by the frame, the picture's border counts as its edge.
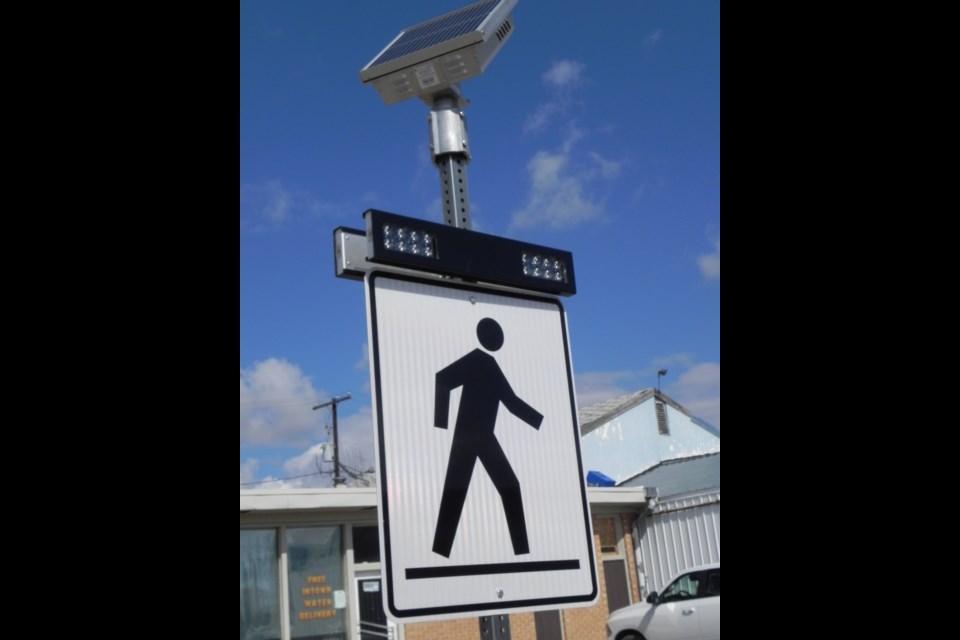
(278, 549)
(701, 587)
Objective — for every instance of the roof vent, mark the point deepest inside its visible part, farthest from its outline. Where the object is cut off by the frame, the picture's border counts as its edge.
(504, 30)
(663, 420)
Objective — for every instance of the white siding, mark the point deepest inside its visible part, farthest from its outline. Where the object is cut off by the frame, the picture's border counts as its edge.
(631, 444)
(679, 535)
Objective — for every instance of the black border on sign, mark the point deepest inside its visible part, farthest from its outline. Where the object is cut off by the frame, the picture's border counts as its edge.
(382, 482)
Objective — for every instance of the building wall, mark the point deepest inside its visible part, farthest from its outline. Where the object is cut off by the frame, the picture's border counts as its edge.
(630, 544)
(590, 624)
(631, 444)
(579, 624)
(466, 629)
(523, 626)
(679, 535)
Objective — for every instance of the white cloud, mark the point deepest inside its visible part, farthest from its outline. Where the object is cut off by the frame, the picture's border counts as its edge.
(363, 364)
(308, 469)
(653, 39)
(561, 194)
(609, 169)
(356, 434)
(248, 471)
(562, 78)
(599, 386)
(699, 391)
(564, 75)
(307, 463)
(679, 360)
(272, 205)
(538, 120)
(559, 197)
(273, 201)
(264, 205)
(710, 263)
(276, 401)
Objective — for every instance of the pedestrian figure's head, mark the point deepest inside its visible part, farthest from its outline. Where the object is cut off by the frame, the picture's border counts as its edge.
(490, 334)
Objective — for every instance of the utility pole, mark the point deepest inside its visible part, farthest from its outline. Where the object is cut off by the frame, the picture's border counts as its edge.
(337, 480)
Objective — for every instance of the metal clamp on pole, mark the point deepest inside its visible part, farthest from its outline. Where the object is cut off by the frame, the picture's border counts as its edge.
(450, 146)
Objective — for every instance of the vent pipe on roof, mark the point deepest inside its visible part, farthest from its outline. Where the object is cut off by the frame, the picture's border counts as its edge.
(660, 376)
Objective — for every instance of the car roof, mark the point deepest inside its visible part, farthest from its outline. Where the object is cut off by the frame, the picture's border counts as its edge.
(706, 567)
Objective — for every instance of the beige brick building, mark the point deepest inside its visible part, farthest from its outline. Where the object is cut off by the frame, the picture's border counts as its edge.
(310, 567)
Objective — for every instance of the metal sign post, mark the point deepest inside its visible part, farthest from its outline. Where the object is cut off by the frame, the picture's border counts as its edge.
(495, 628)
(449, 145)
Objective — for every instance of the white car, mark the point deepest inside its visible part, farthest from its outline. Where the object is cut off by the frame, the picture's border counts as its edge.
(689, 609)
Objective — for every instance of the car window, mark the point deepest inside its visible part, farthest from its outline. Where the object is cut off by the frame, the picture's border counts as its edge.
(713, 583)
(684, 588)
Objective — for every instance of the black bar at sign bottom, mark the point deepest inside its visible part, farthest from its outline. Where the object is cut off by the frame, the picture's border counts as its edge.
(492, 569)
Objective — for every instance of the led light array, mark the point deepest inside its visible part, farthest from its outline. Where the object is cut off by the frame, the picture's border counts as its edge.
(410, 241)
(545, 267)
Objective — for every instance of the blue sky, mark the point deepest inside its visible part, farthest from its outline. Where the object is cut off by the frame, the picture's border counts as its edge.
(594, 130)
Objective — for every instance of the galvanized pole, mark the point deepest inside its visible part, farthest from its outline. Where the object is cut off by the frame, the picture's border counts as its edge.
(450, 147)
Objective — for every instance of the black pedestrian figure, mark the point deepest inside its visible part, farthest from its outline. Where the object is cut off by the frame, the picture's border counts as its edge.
(484, 389)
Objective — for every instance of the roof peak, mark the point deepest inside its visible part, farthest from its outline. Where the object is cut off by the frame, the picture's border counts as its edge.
(599, 414)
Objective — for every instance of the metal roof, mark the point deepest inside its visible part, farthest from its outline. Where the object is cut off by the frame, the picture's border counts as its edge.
(366, 499)
(679, 477)
(308, 500)
(598, 415)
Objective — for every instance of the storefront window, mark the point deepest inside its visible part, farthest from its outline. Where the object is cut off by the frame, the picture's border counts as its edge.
(315, 558)
(366, 545)
(259, 586)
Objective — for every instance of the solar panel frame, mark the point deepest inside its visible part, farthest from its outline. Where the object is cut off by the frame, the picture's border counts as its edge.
(433, 32)
(455, 30)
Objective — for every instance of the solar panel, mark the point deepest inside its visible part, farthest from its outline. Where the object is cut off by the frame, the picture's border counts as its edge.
(433, 56)
(426, 34)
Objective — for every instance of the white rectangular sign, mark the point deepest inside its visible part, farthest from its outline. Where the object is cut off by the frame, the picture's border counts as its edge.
(483, 506)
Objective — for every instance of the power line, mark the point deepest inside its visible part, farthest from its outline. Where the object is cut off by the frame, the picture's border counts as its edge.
(273, 404)
(307, 475)
(356, 474)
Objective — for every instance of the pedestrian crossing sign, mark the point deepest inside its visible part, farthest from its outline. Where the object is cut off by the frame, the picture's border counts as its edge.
(482, 502)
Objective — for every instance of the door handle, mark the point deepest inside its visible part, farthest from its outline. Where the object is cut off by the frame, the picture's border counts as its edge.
(689, 612)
